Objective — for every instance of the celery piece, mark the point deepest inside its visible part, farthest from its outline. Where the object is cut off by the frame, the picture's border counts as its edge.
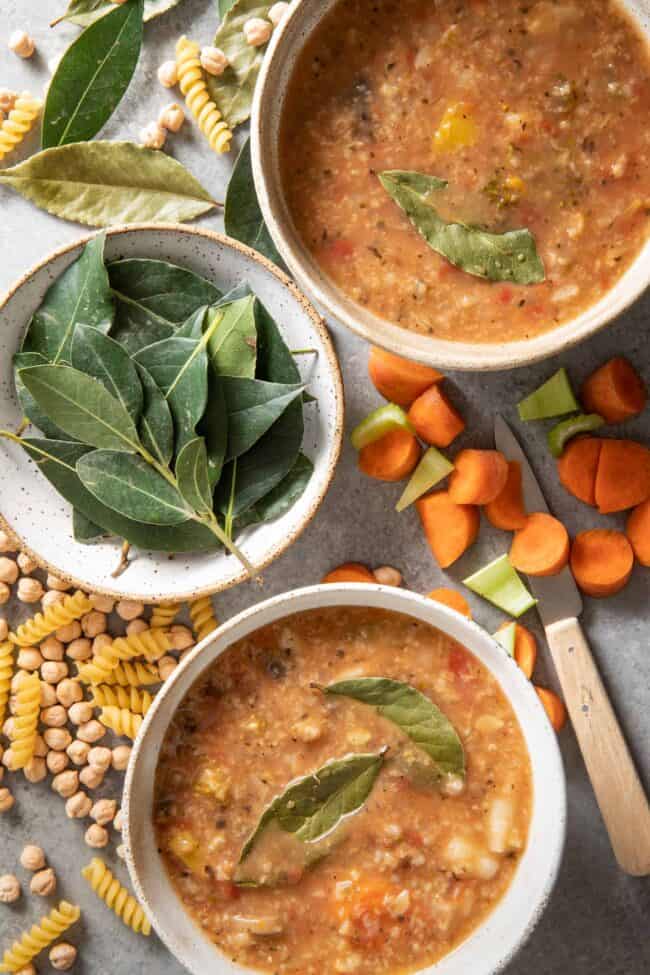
(378, 423)
(554, 398)
(506, 637)
(431, 469)
(499, 583)
(566, 429)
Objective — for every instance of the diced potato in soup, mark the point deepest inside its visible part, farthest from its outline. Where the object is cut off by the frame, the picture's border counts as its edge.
(400, 881)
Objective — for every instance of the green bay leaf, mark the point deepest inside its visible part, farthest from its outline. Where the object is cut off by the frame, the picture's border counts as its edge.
(213, 427)
(243, 218)
(129, 485)
(192, 475)
(31, 409)
(233, 346)
(86, 12)
(100, 356)
(84, 530)
(253, 407)
(156, 424)
(282, 498)
(275, 362)
(179, 367)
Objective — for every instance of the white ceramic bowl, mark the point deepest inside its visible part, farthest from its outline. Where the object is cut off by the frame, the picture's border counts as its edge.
(505, 930)
(268, 108)
(42, 520)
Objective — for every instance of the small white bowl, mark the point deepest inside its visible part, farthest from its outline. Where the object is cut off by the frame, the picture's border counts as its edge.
(41, 519)
(270, 99)
(492, 944)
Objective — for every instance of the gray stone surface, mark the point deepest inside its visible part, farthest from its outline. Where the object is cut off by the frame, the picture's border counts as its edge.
(599, 920)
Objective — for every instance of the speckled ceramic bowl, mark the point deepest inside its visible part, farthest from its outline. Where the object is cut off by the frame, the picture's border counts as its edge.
(497, 940)
(270, 100)
(42, 519)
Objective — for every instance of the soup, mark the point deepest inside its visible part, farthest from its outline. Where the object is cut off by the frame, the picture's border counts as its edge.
(414, 853)
(534, 112)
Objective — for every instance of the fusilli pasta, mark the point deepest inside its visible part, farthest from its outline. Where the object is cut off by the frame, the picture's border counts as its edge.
(151, 644)
(18, 123)
(40, 936)
(164, 614)
(137, 701)
(121, 721)
(6, 672)
(25, 720)
(202, 615)
(34, 630)
(116, 896)
(133, 674)
(197, 97)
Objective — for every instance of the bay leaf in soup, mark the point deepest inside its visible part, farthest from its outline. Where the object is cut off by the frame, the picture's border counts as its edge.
(414, 713)
(510, 256)
(130, 486)
(30, 408)
(103, 183)
(243, 218)
(233, 346)
(102, 357)
(92, 76)
(86, 12)
(192, 475)
(84, 530)
(253, 407)
(156, 425)
(81, 295)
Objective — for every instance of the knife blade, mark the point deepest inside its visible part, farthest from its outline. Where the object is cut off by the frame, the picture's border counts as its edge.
(557, 596)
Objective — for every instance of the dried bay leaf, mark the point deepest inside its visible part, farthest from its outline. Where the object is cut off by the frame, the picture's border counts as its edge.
(129, 485)
(86, 12)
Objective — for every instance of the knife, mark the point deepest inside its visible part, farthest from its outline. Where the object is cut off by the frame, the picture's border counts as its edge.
(615, 781)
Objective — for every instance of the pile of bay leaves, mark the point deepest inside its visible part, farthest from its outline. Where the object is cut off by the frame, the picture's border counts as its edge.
(171, 414)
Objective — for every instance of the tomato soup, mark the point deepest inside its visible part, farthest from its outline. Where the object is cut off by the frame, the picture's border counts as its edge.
(534, 112)
(406, 859)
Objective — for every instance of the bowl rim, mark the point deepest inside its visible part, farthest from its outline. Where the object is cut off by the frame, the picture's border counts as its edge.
(444, 353)
(319, 326)
(474, 637)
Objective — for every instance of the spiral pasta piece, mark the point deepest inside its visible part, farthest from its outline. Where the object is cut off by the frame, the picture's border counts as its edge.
(32, 942)
(18, 123)
(203, 619)
(164, 614)
(122, 721)
(25, 722)
(151, 644)
(116, 896)
(6, 673)
(133, 674)
(197, 97)
(34, 630)
(134, 700)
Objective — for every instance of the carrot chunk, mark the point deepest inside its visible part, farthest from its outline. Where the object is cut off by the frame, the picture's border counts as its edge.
(525, 652)
(623, 477)
(450, 528)
(553, 706)
(349, 572)
(392, 457)
(578, 466)
(453, 599)
(601, 561)
(399, 380)
(479, 476)
(435, 420)
(507, 510)
(638, 532)
(541, 547)
(616, 391)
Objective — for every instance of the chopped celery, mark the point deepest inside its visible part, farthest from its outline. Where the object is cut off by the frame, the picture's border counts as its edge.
(506, 637)
(499, 583)
(554, 398)
(378, 423)
(565, 429)
(431, 469)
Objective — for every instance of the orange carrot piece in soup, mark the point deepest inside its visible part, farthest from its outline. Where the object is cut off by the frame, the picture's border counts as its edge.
(479, 476)
(525, 648)
(623, 477)
(391, 458)
(615, 391)
(349, 572)
(578, 467)
(541, 547)
(637, 530)
(453, 599)
(601, 561)
(450, 528)
(507, 510)
(554, 707)
(399, 380)
(434, 418)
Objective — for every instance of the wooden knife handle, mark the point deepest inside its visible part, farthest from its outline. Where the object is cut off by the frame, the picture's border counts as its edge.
(619, 792)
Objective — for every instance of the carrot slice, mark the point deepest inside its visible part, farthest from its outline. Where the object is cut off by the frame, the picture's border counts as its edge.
(435, 420)
(553, 706)
(616, 391)
(541, 547)
(507, 511)
(392, 457)
(601, 561)
(450, 528)
(623, 477)
(525, 652)
(638, 532)
(479, 476)
(453, 599)
(349, 572)
(398, 379)
(578, 467)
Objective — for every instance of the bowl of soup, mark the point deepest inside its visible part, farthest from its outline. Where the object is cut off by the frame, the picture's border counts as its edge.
(466, 184)
(345, 778)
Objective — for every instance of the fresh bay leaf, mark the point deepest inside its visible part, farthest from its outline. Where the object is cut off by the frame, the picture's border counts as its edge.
(193, 327)
(79, 296)
(179, 367)
(84, 530)
(311, 807)
(86, 12)
(81, 406)
(213, 427)
(153, 298)
(233, 91)
(92, 76)
(233, 346)
(129, 485)
(511, 256)
(243, 218)
(102, 357)
(274, 360)
(253, 407)
(413, 713)
(105, 183)
(192, 475)
(282, 498)
(156, 424)
(31, 409)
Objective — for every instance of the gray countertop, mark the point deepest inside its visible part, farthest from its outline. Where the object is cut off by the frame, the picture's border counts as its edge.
(598, 920)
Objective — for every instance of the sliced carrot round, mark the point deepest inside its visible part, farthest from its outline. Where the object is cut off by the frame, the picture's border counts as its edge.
(578, 467)
(349, 572)
(638, 532)
(525, 648)
(541, 547)
(392, 457)
(616, 391)
(507, 510)
(623, 477)
(601, 561)
(450, 528)
(554, 707)
(453, 599)
(436, 421)
(479, 476)
(399, 380)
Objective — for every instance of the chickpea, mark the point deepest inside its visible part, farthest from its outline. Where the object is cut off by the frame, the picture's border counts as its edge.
(96, 836)
(166, 666)
(53, 582)
(21, 44)
(93, 623)
(77, 751)
(52, 649)
(69, 692)
(7, 102)
(40, 747)
(70, 632)
(66, 783)
(53, 671)
(48, 695)
(9, 888)
(172, 117)
(387, 576)
(182, 637)
(56, 762)
(58, 739)
(8, 571)
(136, 626)
(4, 629)
(128, 609)
(43, 883)
(29, 658)
(27, 970)
(78, 806)
(92, 776)
(5, 593)
(101, 642)
(54, 717)
(29, 590)
(80, 648)
(103, 812)
(213, 60)
(91, 731)
(153, 136)
(168, 74)
(80, 712)
(257, 31)
(103, 603)
(277, 13)
(100, 757)
(62, 956)
(32, 857)
(52, 598)
(121, 756)
(6, 798)
(26, 563)
(8, 760)
(35, 770)
(117, 822)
